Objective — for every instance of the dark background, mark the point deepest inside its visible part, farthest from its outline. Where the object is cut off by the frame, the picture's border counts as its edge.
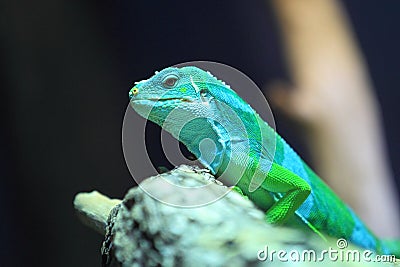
(67, 67)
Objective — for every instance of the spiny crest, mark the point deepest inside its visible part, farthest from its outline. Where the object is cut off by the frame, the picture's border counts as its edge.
(218, 80)
(214, 78)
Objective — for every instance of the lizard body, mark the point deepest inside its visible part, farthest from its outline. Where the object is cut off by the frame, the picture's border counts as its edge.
(194, 106)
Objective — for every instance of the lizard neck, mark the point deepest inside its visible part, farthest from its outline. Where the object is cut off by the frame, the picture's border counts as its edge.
(207, 141)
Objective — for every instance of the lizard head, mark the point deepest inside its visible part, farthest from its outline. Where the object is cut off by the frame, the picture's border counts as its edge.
(199, 110)
(183, 101)
(183, 89)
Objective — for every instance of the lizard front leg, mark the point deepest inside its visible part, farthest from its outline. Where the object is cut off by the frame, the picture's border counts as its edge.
(295, 191)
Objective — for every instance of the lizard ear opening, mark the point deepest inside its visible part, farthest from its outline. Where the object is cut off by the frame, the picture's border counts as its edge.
(170, 81)
(203, 92)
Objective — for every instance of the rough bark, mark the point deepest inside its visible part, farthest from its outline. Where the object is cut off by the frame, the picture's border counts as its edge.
(143, 231)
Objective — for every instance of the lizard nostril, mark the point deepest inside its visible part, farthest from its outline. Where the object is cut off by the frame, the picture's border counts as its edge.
(133, 92)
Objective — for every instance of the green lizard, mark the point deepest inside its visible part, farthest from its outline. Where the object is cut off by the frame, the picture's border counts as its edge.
(193, 106)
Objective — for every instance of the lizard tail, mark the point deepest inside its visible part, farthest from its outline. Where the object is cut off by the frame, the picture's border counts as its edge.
(393, 246)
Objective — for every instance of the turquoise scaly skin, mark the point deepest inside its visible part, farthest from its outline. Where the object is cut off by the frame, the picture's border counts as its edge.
(193, 105)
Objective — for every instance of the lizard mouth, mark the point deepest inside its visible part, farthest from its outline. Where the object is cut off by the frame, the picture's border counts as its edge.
(165, 99)
(173, 98)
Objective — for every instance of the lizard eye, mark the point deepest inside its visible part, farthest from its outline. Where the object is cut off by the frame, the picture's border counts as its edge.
(170, 81)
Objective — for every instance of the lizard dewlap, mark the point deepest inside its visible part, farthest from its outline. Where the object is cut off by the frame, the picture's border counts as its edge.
(229, 138)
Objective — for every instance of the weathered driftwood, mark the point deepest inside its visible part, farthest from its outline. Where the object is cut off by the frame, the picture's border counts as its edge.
(94, 209)
(143, 231)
